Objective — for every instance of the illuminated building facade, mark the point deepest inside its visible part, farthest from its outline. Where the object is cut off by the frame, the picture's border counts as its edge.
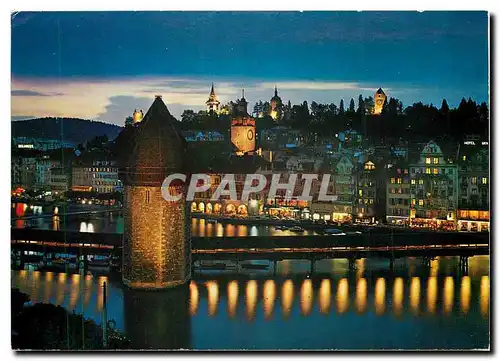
(137, 116)
(366, 193)
(156, 241)
(380, 98)
(242, 129)
(433, 190)
(473, 187)
(212, 102)
(398, 194)
(276, 106)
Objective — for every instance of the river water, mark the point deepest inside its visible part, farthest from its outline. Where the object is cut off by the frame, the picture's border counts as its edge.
(370, 307)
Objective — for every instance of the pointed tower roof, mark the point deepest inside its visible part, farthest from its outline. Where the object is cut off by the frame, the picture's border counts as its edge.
(212, 91)
(276, 96)
(379, 91)
(158, 148)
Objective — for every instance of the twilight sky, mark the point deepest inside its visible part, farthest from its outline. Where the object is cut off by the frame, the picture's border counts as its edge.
(102, 65)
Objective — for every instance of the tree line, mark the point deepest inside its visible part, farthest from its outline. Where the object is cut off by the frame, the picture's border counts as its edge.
(418, 121)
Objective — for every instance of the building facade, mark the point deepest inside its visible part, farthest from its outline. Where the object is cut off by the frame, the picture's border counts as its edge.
(366, 193)
(474, 185)
(380, 98)
(433, 190)
(398, 195)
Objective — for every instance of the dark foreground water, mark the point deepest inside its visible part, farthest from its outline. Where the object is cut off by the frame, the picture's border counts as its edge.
(413, 307)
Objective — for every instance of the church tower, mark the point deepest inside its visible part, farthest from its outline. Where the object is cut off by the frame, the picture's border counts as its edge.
(156, 240)
(379, 101)
(242, 128)
(276, 106)
(212, 102)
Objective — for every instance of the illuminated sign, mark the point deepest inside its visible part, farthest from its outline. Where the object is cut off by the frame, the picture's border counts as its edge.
(470, 142)
(26, 146)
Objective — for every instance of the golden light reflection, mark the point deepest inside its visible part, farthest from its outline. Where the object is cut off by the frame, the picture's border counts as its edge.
(465, 294)
(361, 295)
(194, 298)
(380, 296)
(415, 295)
(306, 297)
(219, 230)
(34, 287)
(448, 295)
(342, 296)
(432, 290)
(269, 293)
(230, 230)
(398, 296)
(194, 225)
(484, 296)
(242, 230)
(251, 299)
(88, 290)
(213, 297)
(210, 230)
(325, 296)
(287, 297)
(201, 227)
(360, 268)
(232, 298)
(61, 288)
(74, 291)
(48, 286)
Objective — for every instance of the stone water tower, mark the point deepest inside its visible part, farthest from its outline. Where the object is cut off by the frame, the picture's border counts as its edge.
(156, 240)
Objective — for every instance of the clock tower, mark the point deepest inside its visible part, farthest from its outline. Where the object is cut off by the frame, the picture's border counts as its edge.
(242, 128)
(379, 101)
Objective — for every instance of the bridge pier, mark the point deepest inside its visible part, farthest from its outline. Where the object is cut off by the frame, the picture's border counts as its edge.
(426, 261)
(21, 259)
(463, 265)
(352, 263)
(391, 264)
(275, 266)
(313, 264)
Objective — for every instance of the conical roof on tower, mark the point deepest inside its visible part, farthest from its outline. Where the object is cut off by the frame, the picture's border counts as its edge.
(158, 148)
(379, 91)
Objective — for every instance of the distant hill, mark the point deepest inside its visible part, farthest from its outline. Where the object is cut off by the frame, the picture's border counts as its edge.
(71, 130)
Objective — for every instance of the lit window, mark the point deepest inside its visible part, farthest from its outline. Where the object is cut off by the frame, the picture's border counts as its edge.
(420, 181)
(360, 192)
(474, 180)
(371, 201)
(393, 180)
(427, 171)
(484, 180)
(436, 171)
(413, 202)
(427, 160)
(366, 200)
(464, 158)
(406, 171)
(420, 202)
(436, 160)
(413, 181)
(399, 180)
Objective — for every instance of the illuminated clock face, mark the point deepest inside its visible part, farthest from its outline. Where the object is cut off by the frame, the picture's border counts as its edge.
(250, 134)
(379, 101)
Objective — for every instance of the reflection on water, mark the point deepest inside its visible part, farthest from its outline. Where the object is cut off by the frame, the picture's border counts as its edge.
(251, 299)
(449, 295)
(232, 298)
(306, 297)
(398, 296)
(484, 296)
(465, 294)
(380, 296)
(415, 295)
(325, 296)
(230, 311)
(361, 295)
(269, 294)
(431, 294)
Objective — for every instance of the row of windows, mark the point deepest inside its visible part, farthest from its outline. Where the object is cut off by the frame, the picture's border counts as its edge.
(428, 160)
(103, 183)
(400, 191)
(484, 180)
(100, 169)
(398, 201)
(365, 201)
(433, 171)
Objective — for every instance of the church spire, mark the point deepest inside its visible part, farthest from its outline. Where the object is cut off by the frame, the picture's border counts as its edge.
(275, 90)
(212, 91)
(212, 102)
